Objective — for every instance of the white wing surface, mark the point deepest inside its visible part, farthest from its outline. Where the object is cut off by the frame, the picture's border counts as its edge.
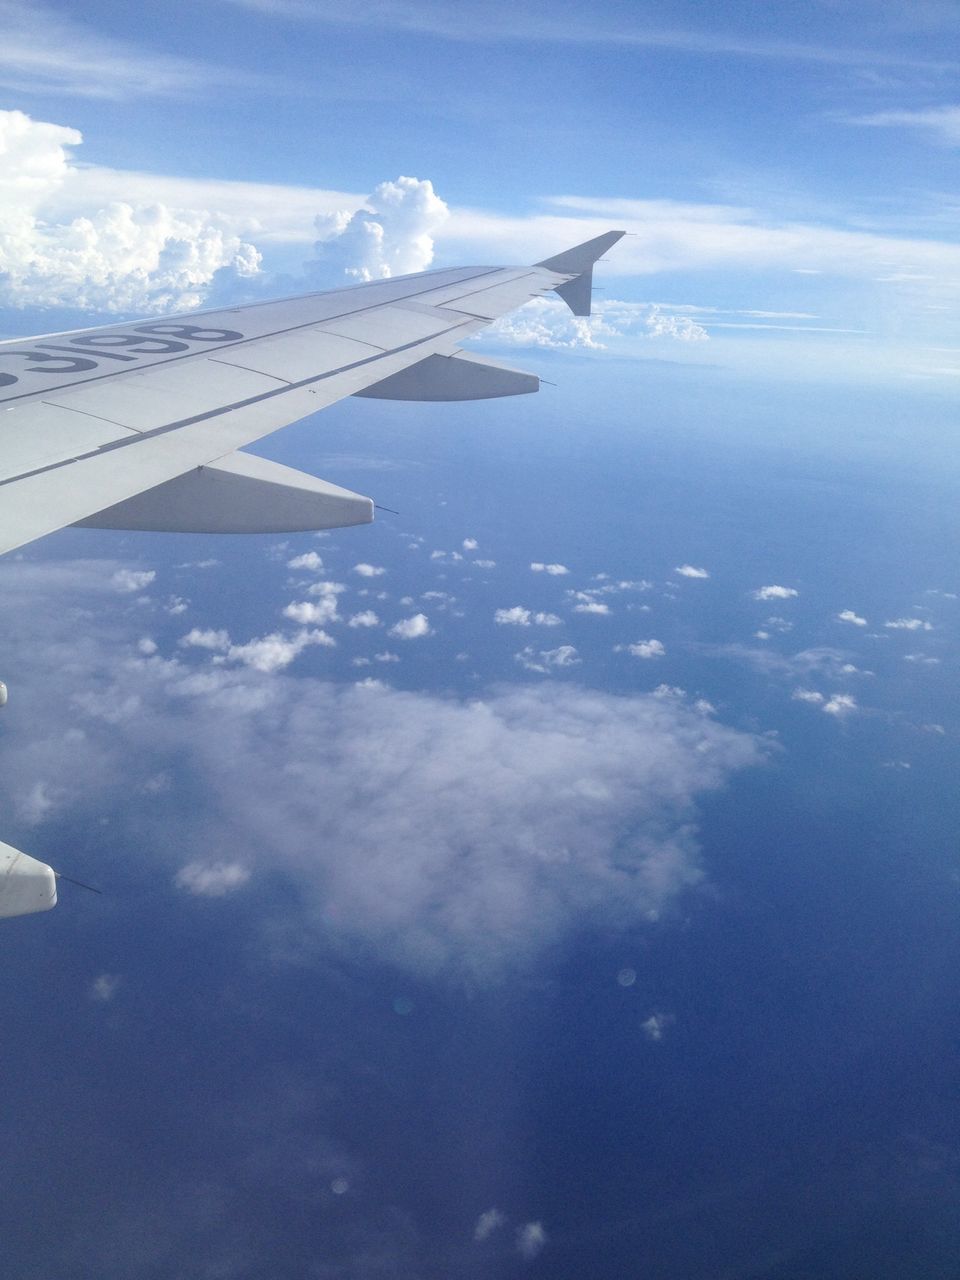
(138, 425)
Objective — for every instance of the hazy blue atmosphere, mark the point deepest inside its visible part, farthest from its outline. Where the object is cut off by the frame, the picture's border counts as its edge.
(559, 877)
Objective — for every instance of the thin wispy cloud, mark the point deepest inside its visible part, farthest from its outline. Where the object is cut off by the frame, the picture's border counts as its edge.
(540, 23)
(46, 50)
(939, 124)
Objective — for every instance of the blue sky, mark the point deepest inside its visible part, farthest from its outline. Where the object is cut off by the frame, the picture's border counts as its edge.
(558, 877)
(786, 171)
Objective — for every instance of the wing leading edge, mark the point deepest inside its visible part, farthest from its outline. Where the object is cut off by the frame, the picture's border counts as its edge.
(91, 420)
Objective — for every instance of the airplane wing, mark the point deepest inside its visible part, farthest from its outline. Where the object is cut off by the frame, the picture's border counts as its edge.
(138, 426)
(142, 425)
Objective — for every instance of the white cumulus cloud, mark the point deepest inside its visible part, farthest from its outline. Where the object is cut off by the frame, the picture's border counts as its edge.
(104, 987)
(313, 612)
(841, 704)
(309, 560)
(212, 879)
(412, 628)
(775, 593)
(366, 618)
(643, 649)
(908, 624)
(369, 570)
(487, 1223)
(276, 651)
(848, 615)
(198, 638)
(128, 581)
(690, 571)
(548, 659)
(555, 570)
(391, 236)
(531, 1239)
(114, 258)
(518, 616)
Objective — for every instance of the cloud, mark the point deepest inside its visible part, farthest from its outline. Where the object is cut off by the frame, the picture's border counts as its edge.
(908, 624)
(548, 660)
(313, 612)
(531, 1239)
(212, 879)
(688, 571)
(104, 987)
(481, 831)
(309, 560)
(655, 1026)
(555, 570)
(548, 324)
(197, 638)
(643, 649)
(392, 235)
(518, 616)
(848, 615)
(841, 704)
(367, 618)
(592, 606)
(775, 593)
(369, 570)
(488, 1223)
(276, 651)
(121, 257)
(808, 695)
(661, 324)
(130, 580)
(46, 50)
(470, 544)
(940, 124)
(412, 628)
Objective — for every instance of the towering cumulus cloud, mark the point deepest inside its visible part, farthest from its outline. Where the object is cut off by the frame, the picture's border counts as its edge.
(121, 257)
(392, 236)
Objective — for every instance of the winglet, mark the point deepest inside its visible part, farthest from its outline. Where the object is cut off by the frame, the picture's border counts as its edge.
(578, 263)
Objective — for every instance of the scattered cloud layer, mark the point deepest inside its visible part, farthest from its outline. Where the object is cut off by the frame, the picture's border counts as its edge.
(478, 831)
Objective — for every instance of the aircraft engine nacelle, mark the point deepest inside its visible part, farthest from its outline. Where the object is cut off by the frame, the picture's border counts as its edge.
(26, 885)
